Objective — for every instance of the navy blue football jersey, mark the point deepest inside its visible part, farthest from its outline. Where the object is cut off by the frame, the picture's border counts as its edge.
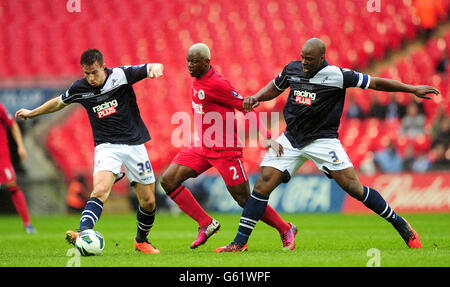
(314, 106)
(112, 108)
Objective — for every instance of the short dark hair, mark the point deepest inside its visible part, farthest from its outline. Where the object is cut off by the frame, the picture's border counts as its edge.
(90, 56)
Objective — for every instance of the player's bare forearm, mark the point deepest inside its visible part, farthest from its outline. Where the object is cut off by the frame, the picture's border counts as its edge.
(48, 107)
(267, 93)
(17, 136)
(388, 85)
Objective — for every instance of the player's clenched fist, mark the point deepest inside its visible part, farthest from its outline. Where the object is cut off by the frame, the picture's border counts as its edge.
(250, 103)
(23, 114)
(155, 70)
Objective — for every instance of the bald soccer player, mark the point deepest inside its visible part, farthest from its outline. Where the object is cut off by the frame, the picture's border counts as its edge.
(312, 113)
(213, 95)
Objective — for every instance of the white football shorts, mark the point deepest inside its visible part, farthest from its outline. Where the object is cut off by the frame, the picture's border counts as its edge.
(134, 159)
(327, 154)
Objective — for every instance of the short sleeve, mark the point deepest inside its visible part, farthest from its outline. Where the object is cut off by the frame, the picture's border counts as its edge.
(281, 82)
(71, 95)
(355, 79)
(227, 95)
(135, 73)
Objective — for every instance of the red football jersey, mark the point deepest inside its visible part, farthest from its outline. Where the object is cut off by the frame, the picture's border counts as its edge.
(6, 120)
(214, 100)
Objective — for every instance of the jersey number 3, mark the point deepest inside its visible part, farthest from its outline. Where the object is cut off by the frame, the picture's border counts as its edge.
(334, 157)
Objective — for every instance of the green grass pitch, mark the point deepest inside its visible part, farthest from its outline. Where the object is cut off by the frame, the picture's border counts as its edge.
(323, 240)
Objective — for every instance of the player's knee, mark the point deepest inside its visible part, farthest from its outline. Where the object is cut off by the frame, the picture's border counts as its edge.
(167, 183)
(241, 199)
(148, 203)
(101, 191)
(264, 183)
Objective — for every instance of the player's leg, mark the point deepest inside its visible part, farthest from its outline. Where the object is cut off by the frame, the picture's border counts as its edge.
(172, 183)
(349, 182)
(107, 168)
(142, 178)
(236, 180)
(145, 216)
(102, 185)
(274, 170)
(188, 165)
(18, 199)
(255, 207)
(287, 231)
(330, 157)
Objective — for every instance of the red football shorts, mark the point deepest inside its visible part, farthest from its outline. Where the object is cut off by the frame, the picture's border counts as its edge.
(7, 173)
(228, 163)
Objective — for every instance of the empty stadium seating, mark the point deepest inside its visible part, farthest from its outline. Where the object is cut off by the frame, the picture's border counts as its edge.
(250, 42)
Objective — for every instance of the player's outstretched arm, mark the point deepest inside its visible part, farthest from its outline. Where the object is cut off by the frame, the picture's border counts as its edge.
(17, 136)
(50, 106)
(267, 93)
(388, 85)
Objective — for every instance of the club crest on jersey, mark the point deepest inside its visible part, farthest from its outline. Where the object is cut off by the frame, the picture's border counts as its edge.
(201, 94)
(105, 109)
(304, 97)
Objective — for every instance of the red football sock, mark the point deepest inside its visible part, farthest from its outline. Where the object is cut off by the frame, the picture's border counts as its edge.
(272, 218)
(19, 202)
(186, 202)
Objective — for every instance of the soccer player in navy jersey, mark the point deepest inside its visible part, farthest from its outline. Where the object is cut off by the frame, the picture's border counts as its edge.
(119, 137)
(312, 113)
(215, 98)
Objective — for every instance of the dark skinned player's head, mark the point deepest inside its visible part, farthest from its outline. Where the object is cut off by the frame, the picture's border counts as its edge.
(198, 60)
(313, 55)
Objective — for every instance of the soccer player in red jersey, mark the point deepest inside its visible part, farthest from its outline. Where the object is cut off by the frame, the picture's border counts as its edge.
(213, 97)
(7, 174)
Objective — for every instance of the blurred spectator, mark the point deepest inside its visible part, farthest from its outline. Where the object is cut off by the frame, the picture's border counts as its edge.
(77, 194)
(415, 161)
(442, 136)
(354, 111)
(367, 165)
(441, 66)
(440, 158)
(438, 117)
(388, 159)
(409, 157)
(413, 123)
(395, 109)
(421, 163)
(429, 12)
(377, 110)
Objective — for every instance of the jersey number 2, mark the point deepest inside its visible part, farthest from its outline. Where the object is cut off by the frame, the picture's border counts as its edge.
(235, 175)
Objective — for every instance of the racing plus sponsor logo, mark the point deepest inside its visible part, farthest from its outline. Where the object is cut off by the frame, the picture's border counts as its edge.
(105, 109)
(198, 108)
(304, 97)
